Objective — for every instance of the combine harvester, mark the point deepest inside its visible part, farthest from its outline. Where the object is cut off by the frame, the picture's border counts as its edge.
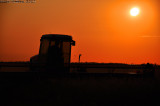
(54, 57)
(54, 54)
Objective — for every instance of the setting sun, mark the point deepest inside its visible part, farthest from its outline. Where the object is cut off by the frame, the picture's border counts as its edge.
(134, 11)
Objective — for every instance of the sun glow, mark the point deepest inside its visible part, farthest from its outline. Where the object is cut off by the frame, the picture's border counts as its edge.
(134, 11)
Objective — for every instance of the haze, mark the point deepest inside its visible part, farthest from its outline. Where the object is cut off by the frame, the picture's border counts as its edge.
(104, 30)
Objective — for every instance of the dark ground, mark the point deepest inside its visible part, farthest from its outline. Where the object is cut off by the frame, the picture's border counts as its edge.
(21, 89)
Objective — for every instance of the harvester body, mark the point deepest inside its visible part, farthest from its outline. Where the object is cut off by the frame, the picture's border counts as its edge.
(54, 53)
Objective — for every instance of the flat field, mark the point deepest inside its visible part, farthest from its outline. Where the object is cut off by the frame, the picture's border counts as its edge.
(30, 89)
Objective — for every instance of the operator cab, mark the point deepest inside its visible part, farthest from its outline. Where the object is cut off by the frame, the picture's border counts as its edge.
(54, 53)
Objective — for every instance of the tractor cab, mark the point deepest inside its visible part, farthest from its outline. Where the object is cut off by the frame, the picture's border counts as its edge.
(54, 53)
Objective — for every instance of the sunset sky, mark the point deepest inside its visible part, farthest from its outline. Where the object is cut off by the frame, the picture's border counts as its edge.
(104, 30)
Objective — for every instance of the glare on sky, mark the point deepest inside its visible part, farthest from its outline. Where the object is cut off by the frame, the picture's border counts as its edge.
(134, 11)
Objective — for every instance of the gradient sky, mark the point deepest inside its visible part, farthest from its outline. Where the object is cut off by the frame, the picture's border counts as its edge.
(104, 30)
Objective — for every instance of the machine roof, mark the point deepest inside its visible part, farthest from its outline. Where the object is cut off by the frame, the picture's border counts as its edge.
(57, 37)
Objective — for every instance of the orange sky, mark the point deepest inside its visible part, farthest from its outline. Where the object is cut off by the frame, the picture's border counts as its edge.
(104, 30)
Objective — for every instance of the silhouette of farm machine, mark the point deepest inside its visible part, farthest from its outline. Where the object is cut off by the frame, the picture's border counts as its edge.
(54, 54)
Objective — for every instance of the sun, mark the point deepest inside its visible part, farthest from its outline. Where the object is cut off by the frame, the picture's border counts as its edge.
(134, 11)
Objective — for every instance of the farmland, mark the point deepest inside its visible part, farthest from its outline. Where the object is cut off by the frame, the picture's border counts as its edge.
(26, 88)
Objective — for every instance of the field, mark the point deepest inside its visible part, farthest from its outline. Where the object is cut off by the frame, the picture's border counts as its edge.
(20, 87)
(27, 89)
